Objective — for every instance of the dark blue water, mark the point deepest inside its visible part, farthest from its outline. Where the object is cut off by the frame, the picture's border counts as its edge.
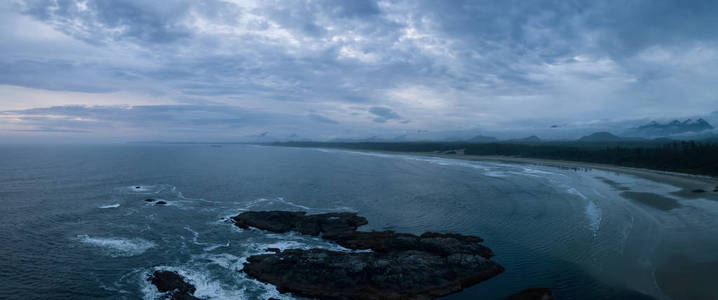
(73, 224)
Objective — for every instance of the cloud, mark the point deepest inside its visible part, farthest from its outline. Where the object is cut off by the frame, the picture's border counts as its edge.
(445, 65)
(383, 114)
(103, 20)
(321, 119)
(52, 130)
(215, 120)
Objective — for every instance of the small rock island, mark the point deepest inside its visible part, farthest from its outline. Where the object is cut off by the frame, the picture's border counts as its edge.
(398, 265)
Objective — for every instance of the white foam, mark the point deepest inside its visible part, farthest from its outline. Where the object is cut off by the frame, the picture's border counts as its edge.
(195, 236)
(206, 286)
(536, 171)
(281, 204)
(294, 240)
(275, 200)
(574, 191)
(118, 246)
(594, 216)
(206, 280)
(143, 189)
(593, 213)
(116, 205)
(158, 191)
(226, 260)
(498, 174)
(215, 247)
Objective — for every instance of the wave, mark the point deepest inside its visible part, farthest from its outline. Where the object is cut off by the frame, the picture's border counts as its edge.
(207, 284)
(278, 203)
(594, 215)
(116, 205)
(118, 246)
(491, 169)
(269, 203)
(215, 247)
(574, 191)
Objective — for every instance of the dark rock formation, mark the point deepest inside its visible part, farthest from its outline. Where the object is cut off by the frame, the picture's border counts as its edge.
(699, 191)
(285, 221)
(324, 274)
(400, 265)
(150, 200)
(388, 241)
(160, 202)
(173, 284)
(532, 294)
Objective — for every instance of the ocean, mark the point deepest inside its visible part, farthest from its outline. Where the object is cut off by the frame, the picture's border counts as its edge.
(74, 222)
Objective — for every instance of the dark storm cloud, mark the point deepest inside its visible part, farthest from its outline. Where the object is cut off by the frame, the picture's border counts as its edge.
(506, 64)
(383, 114)
(97, 21)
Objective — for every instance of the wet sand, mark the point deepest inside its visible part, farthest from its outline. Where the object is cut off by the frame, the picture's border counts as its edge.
(653, 200)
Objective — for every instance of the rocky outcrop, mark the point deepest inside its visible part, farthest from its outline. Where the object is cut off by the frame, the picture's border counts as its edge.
(532, 294)
(325, 274)
(285, 221)
(399, 265)
(431, 242)
(173, 284)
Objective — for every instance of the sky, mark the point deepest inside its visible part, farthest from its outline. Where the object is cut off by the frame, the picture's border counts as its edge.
(186, 70)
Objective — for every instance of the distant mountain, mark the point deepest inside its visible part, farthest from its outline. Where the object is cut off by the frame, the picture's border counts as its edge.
(656, 129)
(483, 139)
(600, 137)
(527, 140)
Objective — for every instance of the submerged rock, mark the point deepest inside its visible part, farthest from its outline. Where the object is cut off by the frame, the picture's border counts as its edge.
(275, 250)
(699, 191)
(532, 294)
(173, 284)
(150, 200)
(160, 202)
(399, 265)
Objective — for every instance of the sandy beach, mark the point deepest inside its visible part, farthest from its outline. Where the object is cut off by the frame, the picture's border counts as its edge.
(691, 185)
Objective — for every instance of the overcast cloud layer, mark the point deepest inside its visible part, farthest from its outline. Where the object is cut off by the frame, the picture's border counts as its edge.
(227, 70)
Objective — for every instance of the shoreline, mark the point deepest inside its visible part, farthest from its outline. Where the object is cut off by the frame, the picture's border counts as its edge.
(688, 183)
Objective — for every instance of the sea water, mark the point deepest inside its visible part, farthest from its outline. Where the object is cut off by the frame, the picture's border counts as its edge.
(74, 222)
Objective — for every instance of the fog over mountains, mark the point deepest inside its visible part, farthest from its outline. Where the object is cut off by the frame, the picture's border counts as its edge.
(656, 129)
